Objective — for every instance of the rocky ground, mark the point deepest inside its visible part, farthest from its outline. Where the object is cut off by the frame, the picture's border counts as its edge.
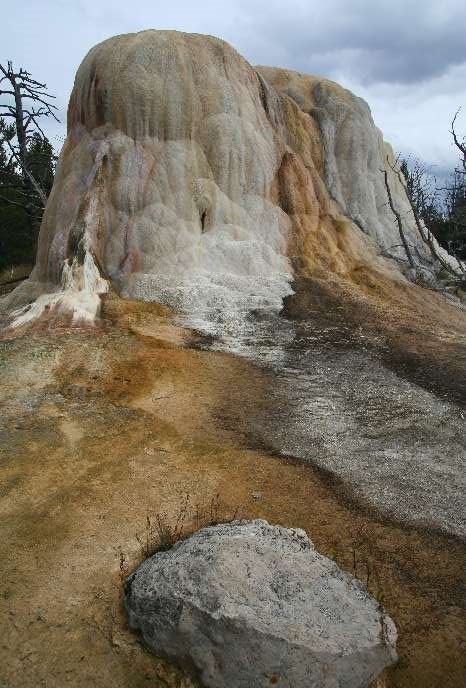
(396, 444)
(253, 604)
(102, 428)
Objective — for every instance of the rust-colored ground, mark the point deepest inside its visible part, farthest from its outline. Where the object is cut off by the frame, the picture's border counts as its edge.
(104, 428)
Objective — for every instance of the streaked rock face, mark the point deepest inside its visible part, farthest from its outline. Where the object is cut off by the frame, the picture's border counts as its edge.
(250, 605)
(187, 171)
(354, 151)
(168, 133)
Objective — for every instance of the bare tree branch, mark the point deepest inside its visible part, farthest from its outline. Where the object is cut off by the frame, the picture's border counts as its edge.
(40, 192)
(460, 145)
(427, 236)
(398, 219)
(11, 202)
(25, 88)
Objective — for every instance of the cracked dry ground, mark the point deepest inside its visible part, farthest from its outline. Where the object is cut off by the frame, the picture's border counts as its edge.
(100, 429)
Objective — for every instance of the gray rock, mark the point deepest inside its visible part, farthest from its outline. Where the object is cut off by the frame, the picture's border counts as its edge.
(250, 604)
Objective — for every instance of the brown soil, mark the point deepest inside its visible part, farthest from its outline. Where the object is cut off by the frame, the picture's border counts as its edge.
(9, 285)
(102, 428)
(422, 336)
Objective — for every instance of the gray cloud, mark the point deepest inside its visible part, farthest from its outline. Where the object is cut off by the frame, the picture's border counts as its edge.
(396, 41)
(407, 58)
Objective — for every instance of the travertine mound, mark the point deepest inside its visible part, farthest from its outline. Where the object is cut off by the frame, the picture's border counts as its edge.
(187, 174)
(355, 153)
(250, 604)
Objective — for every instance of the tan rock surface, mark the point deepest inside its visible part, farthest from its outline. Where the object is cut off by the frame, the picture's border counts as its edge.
(192, 194)
(101, 428)
(185, 169)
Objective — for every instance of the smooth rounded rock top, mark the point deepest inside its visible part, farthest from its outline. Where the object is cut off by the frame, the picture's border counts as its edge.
(250, 604)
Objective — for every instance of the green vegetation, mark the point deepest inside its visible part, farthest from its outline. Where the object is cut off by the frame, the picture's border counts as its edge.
(19, 221)
(443, 210)
(27, 163)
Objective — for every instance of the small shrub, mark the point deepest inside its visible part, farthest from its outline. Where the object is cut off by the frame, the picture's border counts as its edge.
(363, 563)
(162, 533)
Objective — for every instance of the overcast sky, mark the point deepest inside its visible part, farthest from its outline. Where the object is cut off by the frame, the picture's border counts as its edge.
(407, 58)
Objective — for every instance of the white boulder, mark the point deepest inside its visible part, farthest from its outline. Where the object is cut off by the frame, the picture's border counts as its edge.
(250, 604)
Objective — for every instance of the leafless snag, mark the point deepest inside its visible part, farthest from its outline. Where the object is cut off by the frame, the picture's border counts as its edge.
(461, 145)
(425, 233)
(398, 219)
(24, 102)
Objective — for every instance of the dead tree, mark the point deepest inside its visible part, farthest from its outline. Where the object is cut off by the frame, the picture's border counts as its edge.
(461, 145)
(24, 101)
(398, 220)
(424, 232)
(456, 191)
(419, 182)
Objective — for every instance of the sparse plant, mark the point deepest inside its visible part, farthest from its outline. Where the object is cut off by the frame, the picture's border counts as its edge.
(383, 625)
(380, 597)
(123, 566)
(362, 556)
(162, 533)
(212, 514)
